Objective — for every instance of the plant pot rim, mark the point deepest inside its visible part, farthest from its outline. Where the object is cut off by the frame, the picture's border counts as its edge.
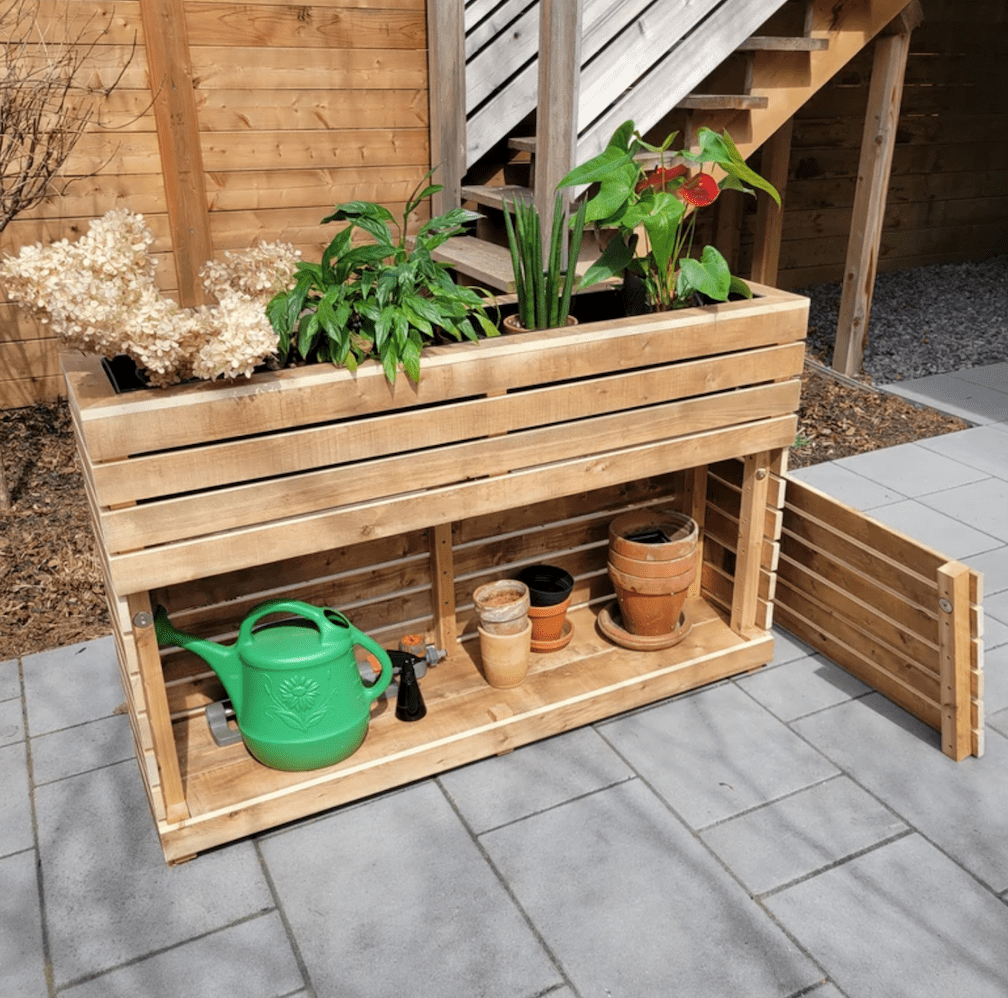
(685, 533)
(541, 597)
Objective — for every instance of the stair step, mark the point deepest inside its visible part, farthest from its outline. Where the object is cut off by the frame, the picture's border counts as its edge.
(489, 264)
(769, 43)
(493, 197)
(527, 143)
(723, 102)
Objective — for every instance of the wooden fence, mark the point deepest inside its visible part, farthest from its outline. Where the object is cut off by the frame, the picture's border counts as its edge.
(295, 107)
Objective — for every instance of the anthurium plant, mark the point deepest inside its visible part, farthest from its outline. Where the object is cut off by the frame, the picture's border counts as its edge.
(664, 203)
(544, 293)
(380, 299)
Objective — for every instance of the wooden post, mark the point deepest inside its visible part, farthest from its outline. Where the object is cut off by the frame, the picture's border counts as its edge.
(442, 569)
(770, 218)
(152, 679)
(695, 505)
(752, 514)
(557, 114)
(954, 638)
(877, 142)
(170, 70)
(446, 94)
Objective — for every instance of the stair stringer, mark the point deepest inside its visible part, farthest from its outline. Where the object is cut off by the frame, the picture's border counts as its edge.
(848, 25)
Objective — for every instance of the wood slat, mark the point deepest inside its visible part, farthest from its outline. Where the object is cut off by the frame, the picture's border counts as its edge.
(236, 461)
(191, 559)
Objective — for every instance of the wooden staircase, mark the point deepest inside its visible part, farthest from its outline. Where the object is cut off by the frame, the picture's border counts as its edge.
(753, 87)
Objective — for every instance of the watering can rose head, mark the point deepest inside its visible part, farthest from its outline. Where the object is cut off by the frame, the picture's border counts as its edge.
(663, 202)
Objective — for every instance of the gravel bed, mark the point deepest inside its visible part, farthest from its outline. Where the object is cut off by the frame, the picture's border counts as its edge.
(928, 320)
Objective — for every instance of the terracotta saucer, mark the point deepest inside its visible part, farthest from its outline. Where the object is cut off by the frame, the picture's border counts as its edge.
(557, 643)
(610, 623)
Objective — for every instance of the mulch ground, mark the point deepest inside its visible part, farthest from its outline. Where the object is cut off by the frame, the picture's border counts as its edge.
(51, 592)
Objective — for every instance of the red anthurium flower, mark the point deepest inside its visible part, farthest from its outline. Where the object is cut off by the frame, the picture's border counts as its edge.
(700, 191)
(661, 177)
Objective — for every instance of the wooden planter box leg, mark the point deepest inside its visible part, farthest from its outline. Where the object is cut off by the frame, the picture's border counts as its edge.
(157, 706)
(755, 481)
(696, 506)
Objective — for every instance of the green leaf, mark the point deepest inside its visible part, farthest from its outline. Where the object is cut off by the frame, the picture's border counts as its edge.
(411, 358)
(307, 332)
(709, 275)
(739, 287)
(662, 226)
(613, 261)
(600, 167)
(335, 249)
(383, 324)
(356, 210)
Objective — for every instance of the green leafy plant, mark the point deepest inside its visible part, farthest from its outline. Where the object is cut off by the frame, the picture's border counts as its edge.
(543, 303)
(380, 299)
(664, 202)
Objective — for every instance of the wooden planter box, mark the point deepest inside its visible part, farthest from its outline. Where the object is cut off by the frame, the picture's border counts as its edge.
(395, 503)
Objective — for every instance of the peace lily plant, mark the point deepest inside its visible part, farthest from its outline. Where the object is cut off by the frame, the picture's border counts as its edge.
(664, 203)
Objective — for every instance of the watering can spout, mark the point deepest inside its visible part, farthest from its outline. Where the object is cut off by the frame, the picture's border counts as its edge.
(223, 659)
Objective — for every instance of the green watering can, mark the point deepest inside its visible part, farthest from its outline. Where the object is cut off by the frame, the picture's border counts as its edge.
(295, 686)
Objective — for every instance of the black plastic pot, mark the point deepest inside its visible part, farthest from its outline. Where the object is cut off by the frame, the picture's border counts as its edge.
(547, 584)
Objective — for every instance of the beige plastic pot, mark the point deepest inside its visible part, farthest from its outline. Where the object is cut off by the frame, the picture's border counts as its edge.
(505, 657)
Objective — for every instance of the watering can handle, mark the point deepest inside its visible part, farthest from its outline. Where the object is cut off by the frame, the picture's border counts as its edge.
(380, 685)
(306, 610)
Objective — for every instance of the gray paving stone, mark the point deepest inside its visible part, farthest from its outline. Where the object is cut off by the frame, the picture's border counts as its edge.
(22, 957)
(996, 606)
(11, 722)
(715, 754)
(990, 375)
(995, 632)
(110, 897)
(994, 565)
(936, 530)
(533, 778)
(807, 831)
(980, 504)
(395, 891)
(629, 901)
(71, 685)
(10, 684)
(910, 469)
(995, 668)
(802, 687)
(252, 959)
(958, 806)
(15, 814)
(847, 486)
(83, 747)
(983, 447)
(999, 722)
(787, 647)
(825, 991)
(951, 395)
(900, 920)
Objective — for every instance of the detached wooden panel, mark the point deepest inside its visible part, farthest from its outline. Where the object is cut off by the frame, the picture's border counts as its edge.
(901, 617)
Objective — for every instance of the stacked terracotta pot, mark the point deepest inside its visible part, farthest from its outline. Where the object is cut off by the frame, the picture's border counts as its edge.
(652, 564)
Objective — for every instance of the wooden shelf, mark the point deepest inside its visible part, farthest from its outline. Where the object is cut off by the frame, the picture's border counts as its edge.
(230, 794)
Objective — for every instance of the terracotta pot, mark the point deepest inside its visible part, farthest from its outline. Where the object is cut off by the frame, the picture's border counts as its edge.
(652, 569)
(548, 621)
(512, 324)
(505, 657)
(502, 606)
(680, 530)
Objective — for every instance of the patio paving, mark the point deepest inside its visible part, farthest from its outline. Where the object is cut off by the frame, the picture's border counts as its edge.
(787, 833)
